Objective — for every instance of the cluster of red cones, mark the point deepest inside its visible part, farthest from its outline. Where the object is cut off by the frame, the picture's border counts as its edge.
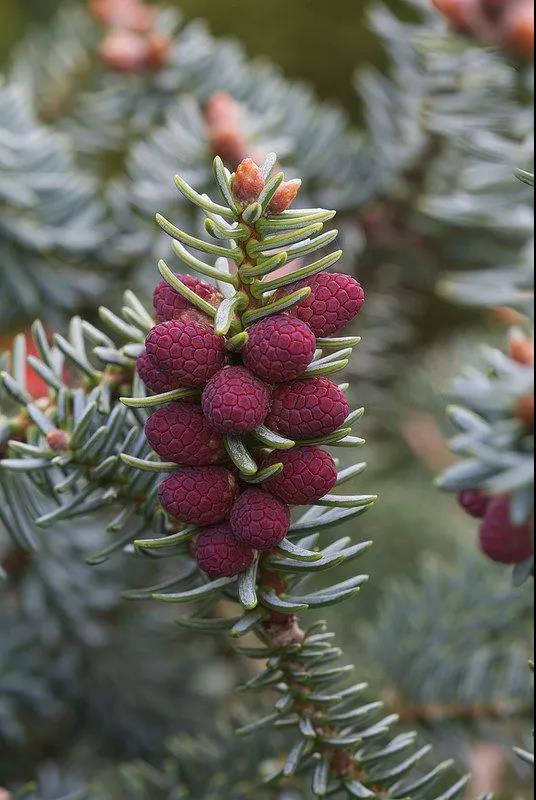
(234, 394)
(501, 539)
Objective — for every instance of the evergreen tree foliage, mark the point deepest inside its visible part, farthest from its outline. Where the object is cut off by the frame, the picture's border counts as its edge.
(50, 220)
(82, 442)
(486, 685)
(494, 401)
(431, 179)
(444, 153)
(447, 152)
(125, 126)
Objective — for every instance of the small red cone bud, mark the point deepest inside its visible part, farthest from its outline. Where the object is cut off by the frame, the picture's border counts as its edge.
(520, 28)
(284, 197)
(222, 110)
(155, 380)
(474, 502)
(58, 440)
(190, 353)
(308, 474)
(199, 495)
(335, 300)
(522, 350)
(180, 433)
(169, 304)
(312, 407)
(229, 144)
(158, 50)
(235, 401)
(248, 182)
(136, 53)
(463, 15)
(220, 554)
(525, 411)
(124, 14)
(259, 519)
(500, 539)
(279, 348)
(125, 51)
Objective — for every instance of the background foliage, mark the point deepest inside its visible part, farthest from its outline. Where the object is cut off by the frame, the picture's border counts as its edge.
(310, 26)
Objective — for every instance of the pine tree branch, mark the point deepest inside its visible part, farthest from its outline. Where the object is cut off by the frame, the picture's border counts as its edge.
(83, 431)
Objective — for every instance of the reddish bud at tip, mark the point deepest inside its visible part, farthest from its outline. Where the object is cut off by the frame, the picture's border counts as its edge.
(463, 15)
(124, 51)
(284, 197)
(129, 52)
(58, 440)
(519, 29)
(522, 351)
(222, 109)
(248, 182)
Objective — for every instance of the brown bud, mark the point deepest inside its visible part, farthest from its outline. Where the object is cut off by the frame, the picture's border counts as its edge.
(342, 762)
(522, 351)
(284, 197)
(284, 630)
(279, 584)
(222, 110)
(131, 15)
(248, 182)
(229, 144)
(14, 563)
(58, 440)
(519, 29)
(525, 411)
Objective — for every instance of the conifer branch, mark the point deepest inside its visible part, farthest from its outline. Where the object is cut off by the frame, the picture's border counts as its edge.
(87, 450)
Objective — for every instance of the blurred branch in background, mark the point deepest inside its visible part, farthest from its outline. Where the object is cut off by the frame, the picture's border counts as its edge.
(51, 224)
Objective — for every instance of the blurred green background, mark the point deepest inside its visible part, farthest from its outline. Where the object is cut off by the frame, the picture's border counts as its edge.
(322, 42)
